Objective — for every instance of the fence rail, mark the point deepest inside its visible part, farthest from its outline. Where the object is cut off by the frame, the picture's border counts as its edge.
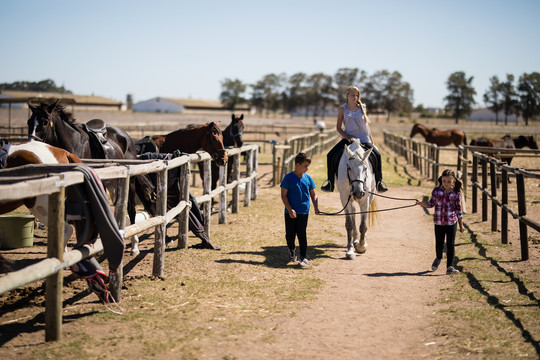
(36, 180)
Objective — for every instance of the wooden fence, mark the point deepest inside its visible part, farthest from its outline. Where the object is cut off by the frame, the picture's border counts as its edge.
(425, 157)
(52, 180)
(312, 143)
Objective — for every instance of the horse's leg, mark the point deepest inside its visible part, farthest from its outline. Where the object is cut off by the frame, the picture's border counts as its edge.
(131, 213)
(361, 246)
(352, 235)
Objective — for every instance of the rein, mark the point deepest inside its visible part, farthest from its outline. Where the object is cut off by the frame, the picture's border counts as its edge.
(369, 211)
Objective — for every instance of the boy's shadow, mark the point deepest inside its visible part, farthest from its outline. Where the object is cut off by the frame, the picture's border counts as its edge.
(277, 256)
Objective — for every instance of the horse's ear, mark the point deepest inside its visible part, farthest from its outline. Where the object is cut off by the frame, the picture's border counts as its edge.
(348, 151)
(241, 116)
(366, 154)
(52, 106)
(31, 107)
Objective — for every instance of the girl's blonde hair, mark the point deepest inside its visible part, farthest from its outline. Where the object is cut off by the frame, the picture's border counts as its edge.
(358, 103)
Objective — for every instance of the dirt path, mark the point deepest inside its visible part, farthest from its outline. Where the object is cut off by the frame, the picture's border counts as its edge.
(376, 306)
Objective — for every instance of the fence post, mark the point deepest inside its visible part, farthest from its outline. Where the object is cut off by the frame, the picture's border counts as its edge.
(161, 230)
(522, 210)
(55, 249)
(235, 177)
(222, 218)
(465, 171)
(436, 150)
(183, 217)
(249, 167)
(207, 206)
(122, 193)
(484, 189)
(255, 168)
(275, 164)
(474, 179)
(493, 180)
(504, 203)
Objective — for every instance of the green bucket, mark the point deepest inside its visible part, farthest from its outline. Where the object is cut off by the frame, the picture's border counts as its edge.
(16, 231)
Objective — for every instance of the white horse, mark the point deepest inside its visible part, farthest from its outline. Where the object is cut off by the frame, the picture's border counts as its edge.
(356, 184)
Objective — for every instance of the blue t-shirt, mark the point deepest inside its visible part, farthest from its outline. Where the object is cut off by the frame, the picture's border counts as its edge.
(298, 191)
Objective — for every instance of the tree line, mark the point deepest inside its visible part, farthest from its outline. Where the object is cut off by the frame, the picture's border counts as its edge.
(313, 94)
(47, 85)
(522, 98)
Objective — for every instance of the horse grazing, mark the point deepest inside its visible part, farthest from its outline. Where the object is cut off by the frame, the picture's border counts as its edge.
(521, 141)
(52, 124)
(506, 142)
(440, 137)
(232, 137)
(356, 184)
(207, 137)
(35, 152)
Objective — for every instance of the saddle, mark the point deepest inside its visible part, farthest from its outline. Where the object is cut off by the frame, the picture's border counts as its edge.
(100, 147)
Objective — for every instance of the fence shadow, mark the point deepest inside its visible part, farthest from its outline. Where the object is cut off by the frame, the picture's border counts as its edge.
(493, 300)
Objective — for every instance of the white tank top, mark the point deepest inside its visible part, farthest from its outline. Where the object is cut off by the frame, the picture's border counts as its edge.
(355, 125)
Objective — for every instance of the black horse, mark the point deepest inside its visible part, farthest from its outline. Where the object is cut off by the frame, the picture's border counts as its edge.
(52, 124)
(232, 137)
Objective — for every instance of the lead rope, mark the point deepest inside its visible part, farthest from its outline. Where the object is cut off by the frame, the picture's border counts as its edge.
(370, 211)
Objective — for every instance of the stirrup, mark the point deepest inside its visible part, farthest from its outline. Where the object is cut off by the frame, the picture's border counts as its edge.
(326, 186)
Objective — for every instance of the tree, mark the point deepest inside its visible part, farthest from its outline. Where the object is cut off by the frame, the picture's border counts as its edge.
(320, 92)
(397, 95)
(510, 103)
(267, 93)
(529, 93)
(295, 93)
(461, 97)
(47, 85)
(492, 97)
(231, 93)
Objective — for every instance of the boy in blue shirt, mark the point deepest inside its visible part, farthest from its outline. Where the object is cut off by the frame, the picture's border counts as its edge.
(297, 188)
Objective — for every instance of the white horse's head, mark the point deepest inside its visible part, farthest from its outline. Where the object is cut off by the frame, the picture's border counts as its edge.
(358, 170)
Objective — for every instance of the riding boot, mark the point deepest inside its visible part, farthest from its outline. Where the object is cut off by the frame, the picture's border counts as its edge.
(377, 165)
(196, 228)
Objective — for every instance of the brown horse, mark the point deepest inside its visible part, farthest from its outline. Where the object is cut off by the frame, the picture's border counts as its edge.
(36, 152)
(207, 137)
(440, 137)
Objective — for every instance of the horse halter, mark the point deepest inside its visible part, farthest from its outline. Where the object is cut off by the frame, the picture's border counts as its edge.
(352, 181)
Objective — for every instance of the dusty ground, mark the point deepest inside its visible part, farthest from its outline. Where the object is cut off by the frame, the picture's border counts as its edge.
(381, 306)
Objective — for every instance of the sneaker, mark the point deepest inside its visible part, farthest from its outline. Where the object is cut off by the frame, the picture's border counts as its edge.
(451, 270)
(292, 255)
(327, 186)
(435, 264)
(303, 263)
(381, 187)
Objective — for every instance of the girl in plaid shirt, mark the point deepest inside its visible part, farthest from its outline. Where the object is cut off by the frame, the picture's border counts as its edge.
(447, 201)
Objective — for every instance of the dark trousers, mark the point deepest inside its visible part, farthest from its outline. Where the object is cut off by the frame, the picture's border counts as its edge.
(296, 228)
(334, 155)
(448, 232)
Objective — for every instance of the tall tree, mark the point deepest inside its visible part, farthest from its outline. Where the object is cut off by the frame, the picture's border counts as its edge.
(267, 93)
(492, 97)
(510, 103)
(295, 92)
(232, 93)
(461, 97)
(397, 95)
(344, 78)
(320, 93)
(529, 93)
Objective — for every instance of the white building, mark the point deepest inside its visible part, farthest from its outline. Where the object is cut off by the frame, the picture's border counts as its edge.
(180, 105)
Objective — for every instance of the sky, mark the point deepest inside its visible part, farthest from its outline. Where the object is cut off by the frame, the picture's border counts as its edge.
(186, 49)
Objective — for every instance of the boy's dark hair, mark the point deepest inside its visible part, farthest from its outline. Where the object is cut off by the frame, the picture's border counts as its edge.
(301, 157)
(448, 172)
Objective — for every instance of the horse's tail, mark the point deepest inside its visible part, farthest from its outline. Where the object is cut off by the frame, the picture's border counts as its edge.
(72, 158)
(373, 218)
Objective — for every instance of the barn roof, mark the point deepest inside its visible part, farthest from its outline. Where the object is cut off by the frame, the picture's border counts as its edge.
(12, 96)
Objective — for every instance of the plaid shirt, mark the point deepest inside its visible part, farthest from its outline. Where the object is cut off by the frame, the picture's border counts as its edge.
(447, 206)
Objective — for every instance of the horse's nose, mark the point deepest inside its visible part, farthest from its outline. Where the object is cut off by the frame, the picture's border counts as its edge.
(359, 194)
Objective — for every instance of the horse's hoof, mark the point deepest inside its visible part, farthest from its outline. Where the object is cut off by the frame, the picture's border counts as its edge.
(361, 249)
(350, 255)
(134, 252)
